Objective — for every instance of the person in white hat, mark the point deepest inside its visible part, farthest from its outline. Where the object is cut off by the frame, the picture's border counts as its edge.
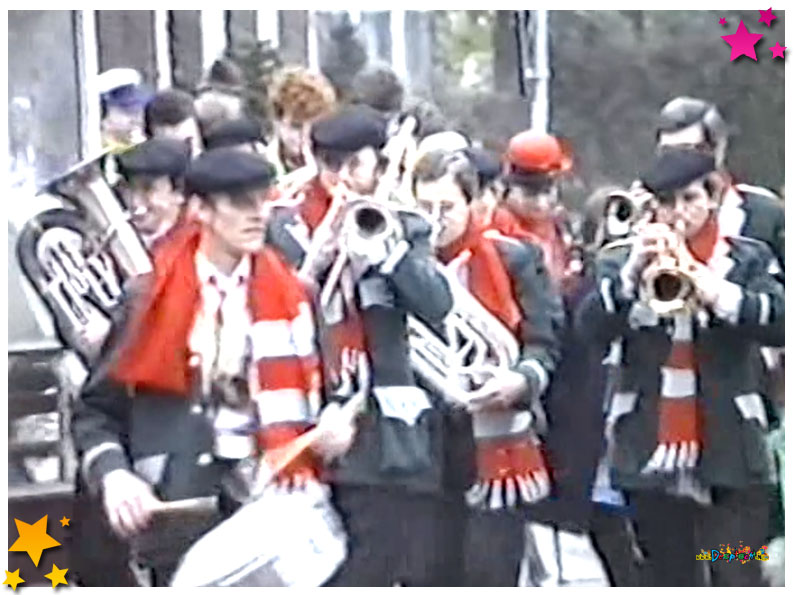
(123, 97)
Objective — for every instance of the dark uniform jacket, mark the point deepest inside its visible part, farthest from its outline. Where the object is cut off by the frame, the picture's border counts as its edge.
(757, 215)
(735, 454)
(388, 450)
(167, 440)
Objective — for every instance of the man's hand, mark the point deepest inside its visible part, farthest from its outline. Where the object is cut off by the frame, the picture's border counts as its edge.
(129, 502)
(336, 432)
(500, 392)
(651, 241)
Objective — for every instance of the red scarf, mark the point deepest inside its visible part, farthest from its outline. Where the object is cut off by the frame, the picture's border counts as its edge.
(510, 464)
(315, 204)
(543, 232)
(680, 415)
(489, 281)
(156, 355)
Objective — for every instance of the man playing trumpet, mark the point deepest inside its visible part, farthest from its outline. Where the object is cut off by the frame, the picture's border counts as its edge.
(687, 423)
(509, 278)
(386, 488)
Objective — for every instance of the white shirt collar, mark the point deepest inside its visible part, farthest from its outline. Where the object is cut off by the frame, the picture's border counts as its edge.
(208, 273)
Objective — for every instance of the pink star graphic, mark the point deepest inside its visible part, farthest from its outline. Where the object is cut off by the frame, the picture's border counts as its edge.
(767, 17)
(742, 42)
(723, 22)
(777, 50)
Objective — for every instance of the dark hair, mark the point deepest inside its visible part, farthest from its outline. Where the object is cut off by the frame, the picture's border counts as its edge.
(335, 159)
(378, 87)
(436, 164)
(168, 108)
(530, 183)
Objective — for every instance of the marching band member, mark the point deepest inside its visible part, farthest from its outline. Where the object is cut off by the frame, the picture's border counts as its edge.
(240, 133)
(688, 426)
(534, 162)
(746, 210)
(152, 185)
(220, 98)
(509, 278)
(224, 330)
(171, 114)
(386, 488)
(298, 97)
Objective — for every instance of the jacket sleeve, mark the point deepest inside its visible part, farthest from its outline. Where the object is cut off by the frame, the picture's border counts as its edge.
(756, 304)
(543, 317)
(418, 283)
(603, 313)
(100, 419)
(101, 414)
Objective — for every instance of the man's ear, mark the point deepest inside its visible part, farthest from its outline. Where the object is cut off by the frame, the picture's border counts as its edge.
(197, 209)
(716, 183)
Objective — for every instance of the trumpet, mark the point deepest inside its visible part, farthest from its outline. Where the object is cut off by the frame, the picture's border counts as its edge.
(624, 211)
(665, 286)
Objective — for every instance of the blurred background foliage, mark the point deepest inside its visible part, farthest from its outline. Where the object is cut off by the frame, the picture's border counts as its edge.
(611, 72)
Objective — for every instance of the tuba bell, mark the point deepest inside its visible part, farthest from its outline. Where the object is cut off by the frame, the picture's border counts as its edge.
(79, 256)
(471, 346)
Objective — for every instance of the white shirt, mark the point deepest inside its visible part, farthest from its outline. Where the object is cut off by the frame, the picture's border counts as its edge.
(222, 347)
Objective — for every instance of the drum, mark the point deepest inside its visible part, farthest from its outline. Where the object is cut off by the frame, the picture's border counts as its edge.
(281, 539)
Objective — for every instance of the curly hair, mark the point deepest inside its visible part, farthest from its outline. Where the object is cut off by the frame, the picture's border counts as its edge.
(301, 95)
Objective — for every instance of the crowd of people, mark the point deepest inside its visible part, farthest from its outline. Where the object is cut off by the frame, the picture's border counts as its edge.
(621, 383)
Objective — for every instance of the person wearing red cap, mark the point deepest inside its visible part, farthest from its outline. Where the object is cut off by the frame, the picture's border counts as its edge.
(533, 163)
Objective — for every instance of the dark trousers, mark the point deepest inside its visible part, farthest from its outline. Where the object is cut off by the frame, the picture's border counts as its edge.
(483, 548)
(394, 536)
(671, 531)
(614, 542)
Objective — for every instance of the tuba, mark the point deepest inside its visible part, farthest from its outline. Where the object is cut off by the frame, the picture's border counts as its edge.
(472, 346)
(79, 256)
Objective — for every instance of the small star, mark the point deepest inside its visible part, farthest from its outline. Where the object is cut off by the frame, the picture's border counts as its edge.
(777, 50)
(65, 522)
(13, 579)
(766, 17)
(742, 42)
(33, 539)
(57, 576)
(723, 22)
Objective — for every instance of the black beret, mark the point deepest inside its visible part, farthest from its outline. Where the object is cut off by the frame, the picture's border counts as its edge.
(227, 170)
(486, 163)
(233, 132)
(674, 169)
(156, 157)
(350, 130)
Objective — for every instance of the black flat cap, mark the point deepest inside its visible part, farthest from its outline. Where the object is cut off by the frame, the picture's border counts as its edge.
(227, 170)
(675, 169)
(351, 130)
(233, 132)
(156, 157)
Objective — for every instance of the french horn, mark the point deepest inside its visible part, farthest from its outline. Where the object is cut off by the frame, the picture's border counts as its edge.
(80, 256)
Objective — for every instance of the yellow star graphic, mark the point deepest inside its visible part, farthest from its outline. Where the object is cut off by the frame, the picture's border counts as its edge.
(13, 579)
(33, 539)
(57, 576)
(65, 522)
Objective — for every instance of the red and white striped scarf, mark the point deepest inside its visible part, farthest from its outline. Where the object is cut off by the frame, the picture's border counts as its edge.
(284, 379)
(510, 462)
(680, 411)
